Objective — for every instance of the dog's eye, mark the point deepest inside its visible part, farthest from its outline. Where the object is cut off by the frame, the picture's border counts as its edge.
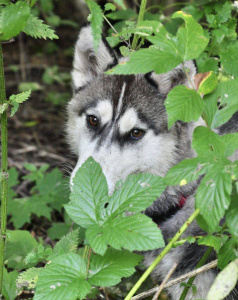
(92, 120)
(137, 134)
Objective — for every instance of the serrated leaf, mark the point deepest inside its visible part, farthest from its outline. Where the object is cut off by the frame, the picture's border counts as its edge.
(14, 108)
(224, 282)
(13, 19)
(64, 277)
(226, 93)
(109, 6)
(136, 232)
(68, 244)
(231, 142)
(168, 51)
(19, 244)
(96, 21)
(122, 15)
(228, 58)
(191, 40)
(29, 278)
(109, 269)
(213, 195)
(183, 103)
(3, 107)
(188, 170)
(20, 98)
(9, 288)
(28, 206)
(36, 28)
(89, 194)
(208, 84)
(227, 253)
(212, 241)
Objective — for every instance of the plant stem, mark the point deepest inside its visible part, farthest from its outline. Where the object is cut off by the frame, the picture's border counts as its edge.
(4, 175)
(140, 18)
(191, 280)
(162, 254)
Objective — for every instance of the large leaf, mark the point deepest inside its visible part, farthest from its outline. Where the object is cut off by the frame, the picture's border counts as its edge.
(19, 244)
(227, 253)
(63, 278)
(232, 215)
(168, 51)
(184, 104)
(13, 18)
(92, 208)
(226, 93)
(109, 269)
(37, 29)
(224, 282)
(89, 194)
(96, 21)
(136, 232)
(228, 58)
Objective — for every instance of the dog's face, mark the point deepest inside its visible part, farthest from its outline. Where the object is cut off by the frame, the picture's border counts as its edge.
(120, 120)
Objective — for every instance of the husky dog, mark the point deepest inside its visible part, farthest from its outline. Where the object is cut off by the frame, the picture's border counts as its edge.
(121, 122)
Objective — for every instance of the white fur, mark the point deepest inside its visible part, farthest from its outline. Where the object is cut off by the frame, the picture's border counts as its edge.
(103, 110)
(120, 101)
(128, 121)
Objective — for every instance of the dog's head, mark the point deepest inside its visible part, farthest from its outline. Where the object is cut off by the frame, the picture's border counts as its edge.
(120, 120)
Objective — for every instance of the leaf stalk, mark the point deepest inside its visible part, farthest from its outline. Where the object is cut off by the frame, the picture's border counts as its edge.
(140, 18)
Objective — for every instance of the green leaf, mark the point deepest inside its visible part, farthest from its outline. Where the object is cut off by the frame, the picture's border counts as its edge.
(68, 244)
(227, 59)
(224, 282)
(208, 84)
(191, 40)
(109, 269)
(3, 107)
(183, 103)
(89, 194)
(92, 208)
(96, 21)
(33, 86)
(20, 98)
(37, 29)
(227, 253)
(58, 230)
(28, 206)
(109, 6)
(231, 142)
(29, 278)
(226, 93)
(232, 215)
(19, 244)
(9, 284)
(14, 108)
(64, 277)
(122, 15)
(212, 241)
(186, 171)
(13, 19)
(136, 232)
(213, 195)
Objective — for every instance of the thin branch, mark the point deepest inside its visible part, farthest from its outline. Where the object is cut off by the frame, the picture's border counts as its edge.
(171, 271)
(110, 24)
(182, 278)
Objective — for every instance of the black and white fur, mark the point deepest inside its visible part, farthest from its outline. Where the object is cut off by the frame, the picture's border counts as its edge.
(121, 104)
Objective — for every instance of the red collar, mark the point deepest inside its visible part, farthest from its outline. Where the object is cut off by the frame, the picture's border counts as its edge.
(182, 201)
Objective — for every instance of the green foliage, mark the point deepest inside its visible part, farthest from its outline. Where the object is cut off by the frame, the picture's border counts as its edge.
(103, 216)
(9, 284)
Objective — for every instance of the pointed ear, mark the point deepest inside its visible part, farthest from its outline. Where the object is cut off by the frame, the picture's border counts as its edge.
(87, 63)
(167, 81)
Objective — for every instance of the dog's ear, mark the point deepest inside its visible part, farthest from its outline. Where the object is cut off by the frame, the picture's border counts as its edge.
(167, 81)
(87, 63)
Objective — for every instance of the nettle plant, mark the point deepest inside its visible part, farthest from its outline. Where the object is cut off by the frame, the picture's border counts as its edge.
(111, 234)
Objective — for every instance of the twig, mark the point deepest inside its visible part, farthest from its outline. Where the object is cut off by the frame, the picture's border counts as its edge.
(110, 24)
(171, 271)
(162, 254)
(205, 268)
